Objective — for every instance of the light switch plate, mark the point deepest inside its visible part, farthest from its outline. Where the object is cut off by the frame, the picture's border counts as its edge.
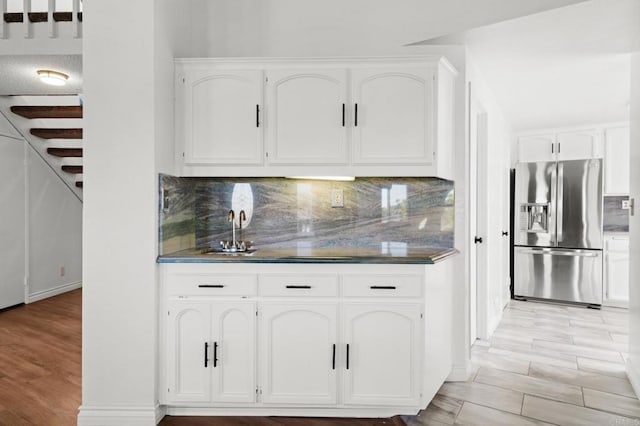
(337, 198)
(625, 204)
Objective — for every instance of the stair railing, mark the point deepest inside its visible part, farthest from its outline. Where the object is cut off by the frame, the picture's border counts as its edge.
(27, 25)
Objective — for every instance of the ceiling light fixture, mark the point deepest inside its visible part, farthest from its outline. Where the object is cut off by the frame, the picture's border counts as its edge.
(54, 78)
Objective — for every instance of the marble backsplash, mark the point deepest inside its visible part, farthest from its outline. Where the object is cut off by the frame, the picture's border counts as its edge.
(391, 212)
(615, 218)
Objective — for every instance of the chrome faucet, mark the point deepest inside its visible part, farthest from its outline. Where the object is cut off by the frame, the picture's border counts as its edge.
(242, 217)
(231, 218)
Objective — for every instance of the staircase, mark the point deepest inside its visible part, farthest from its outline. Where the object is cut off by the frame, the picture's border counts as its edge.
(52, 125)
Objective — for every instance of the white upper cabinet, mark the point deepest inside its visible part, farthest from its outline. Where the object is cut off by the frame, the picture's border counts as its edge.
(220, 113)
(353, 117)
(392, 115)
(616, 164)
(578, 145)
(570, 145)
(307, 116)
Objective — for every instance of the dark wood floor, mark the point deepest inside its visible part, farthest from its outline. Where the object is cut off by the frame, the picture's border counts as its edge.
(40, 355)
(40, 372)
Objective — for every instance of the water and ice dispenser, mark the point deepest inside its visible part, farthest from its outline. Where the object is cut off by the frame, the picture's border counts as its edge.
(534, 217)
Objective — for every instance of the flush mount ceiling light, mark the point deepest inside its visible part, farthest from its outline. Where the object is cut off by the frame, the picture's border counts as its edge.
(54, 78)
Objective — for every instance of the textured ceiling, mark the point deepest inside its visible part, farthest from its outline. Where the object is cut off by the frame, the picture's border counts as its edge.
(18, 74)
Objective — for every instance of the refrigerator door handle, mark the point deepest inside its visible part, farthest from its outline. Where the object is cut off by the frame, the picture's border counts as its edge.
(576, 253)
(553, 239)
(559, 203)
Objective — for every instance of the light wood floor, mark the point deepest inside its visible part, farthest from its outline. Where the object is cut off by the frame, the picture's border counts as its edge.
(546, 364)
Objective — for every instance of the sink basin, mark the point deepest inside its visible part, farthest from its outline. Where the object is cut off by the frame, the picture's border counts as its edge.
(228, 252)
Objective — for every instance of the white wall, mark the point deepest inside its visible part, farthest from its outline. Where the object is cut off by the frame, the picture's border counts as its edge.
(55, 232)
(633, 362)
(12, 220)
(128, 116)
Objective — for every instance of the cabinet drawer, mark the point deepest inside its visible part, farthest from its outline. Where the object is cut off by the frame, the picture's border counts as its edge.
(298, 285)
(382, 285)
(617, 244)
(211, 285)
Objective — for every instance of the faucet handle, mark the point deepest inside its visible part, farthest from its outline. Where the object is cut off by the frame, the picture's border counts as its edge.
(231, 216)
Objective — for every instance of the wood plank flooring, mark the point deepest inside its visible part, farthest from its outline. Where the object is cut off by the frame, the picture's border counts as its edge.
(546, 364)
(40, 356)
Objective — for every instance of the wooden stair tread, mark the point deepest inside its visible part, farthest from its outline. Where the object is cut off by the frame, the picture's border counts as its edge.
(72, 169)
(47, 111)
(65, 152)
(57, 133)
(12, 17)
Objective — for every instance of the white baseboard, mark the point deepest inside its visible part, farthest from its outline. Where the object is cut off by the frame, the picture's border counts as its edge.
(120, 416)
(633, 373)
(39, 295)
(374, 412)
(460, 373)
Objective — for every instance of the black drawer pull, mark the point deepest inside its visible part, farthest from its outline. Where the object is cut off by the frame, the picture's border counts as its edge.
(382, 287)
(257, 115)
(298, 286)
(333, 363)
(343, 114)
(206, 353)
(355, 121)
(211, 285)
(215, 354)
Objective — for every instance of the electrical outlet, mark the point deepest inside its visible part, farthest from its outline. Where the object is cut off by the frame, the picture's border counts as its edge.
(625, 204)
(337, 198)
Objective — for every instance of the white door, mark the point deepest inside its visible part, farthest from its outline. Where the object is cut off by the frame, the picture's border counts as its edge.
(306, 116)
(13, 223)
(392, 116)
(578, 145)
(298, 344)
(233, 352)
(537, 148)
(381, 352)
(222, 117)
(189, 352)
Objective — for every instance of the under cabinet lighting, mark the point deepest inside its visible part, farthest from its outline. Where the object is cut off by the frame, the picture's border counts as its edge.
(336, 178)
(53, 78)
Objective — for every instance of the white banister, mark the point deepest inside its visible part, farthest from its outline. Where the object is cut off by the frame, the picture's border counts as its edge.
(51, 7)
(74, 18)
(3, 24)
(26, 23)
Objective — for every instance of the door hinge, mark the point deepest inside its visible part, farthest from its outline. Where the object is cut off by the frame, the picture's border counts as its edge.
(168, 390)
(183, 155)
(266, 154)
(421, 315)
(169, 313)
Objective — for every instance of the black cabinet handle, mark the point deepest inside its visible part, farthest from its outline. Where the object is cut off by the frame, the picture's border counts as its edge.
(206, 352)
(552, 144)
(257, 115)
(347, 356)
(298, 286)
(355, 121)
(477, 240)
(382, 287)
(343, 116)
(215, 354)
(505, 234)
(333, 363)
(558, 147)
(211, 285)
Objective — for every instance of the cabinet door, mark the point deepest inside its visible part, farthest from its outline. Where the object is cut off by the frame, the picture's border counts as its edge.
(382, 360)
(307, 116)
(616, 271)
(579, 145)
(233, 352)
(298, 344)
(536, 148)
(188, 375)
(393, 116)
(221, 117)
(616, 161)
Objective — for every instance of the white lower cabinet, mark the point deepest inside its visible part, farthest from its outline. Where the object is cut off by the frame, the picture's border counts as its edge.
(616, 271)
(382, 343)
(211, 351)
(339, 339)
(297, 345)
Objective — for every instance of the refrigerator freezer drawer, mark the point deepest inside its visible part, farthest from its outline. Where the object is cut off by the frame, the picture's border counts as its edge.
(559, 274)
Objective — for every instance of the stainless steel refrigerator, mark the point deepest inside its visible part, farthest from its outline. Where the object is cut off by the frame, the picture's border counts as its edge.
(558, 231)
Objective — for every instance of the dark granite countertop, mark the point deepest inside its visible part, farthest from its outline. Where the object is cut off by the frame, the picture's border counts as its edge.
(314, 255)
